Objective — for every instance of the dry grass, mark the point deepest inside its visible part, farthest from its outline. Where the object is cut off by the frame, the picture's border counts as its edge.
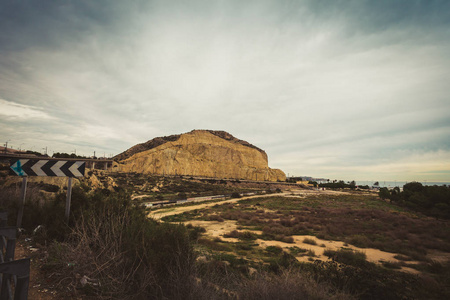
(290, 284)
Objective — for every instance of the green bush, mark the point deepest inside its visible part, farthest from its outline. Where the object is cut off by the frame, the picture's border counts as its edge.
(347, 256)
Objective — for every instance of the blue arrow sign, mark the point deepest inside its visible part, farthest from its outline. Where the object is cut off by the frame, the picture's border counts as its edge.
(17, 167)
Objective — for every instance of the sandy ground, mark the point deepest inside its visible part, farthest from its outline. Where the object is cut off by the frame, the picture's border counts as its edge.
(218, 229)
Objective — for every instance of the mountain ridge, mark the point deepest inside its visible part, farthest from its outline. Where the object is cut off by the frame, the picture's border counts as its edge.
(158, 141)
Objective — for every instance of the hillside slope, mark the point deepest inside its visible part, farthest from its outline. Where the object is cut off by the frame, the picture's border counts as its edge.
(199, 153)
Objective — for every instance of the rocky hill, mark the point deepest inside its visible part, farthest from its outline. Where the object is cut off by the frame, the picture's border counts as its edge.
(199, 153)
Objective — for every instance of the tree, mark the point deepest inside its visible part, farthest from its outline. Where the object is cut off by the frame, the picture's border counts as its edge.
(413, 187)
(395, 194)
(384, 193)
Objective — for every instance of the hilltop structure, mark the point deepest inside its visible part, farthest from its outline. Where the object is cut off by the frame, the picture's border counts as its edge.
(205, 153)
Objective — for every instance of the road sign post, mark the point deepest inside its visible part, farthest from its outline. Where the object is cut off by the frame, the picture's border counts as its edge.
(68, 198)
(46, 167)
(22, 201)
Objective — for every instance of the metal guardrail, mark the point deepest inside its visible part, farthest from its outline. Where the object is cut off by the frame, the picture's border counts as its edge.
(24, 156)
(14, 274)
(19, 270)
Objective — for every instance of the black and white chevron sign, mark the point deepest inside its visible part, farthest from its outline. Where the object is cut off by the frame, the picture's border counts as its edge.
(42, 167)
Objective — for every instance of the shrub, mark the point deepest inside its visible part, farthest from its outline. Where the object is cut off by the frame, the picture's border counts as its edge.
(347, 256)
(131, 256)
(296, 250)
(274, 250)
(245, 235)
(391, 265)
(309, 241)
(213, 245)
(289, 284)
(287, 239)
(215, 218)
(181, 196)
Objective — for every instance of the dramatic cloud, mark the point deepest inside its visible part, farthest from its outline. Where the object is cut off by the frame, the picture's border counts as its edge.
(340, 89)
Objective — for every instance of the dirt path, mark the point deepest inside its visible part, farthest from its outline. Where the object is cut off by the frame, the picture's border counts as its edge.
(174, 210)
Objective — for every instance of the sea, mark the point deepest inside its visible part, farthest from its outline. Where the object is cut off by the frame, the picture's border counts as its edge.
(391, 184)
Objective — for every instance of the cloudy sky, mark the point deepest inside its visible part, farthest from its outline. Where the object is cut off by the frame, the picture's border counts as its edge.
(335, 89)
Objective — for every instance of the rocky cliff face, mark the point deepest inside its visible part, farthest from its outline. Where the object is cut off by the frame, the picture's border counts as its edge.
(199, 153)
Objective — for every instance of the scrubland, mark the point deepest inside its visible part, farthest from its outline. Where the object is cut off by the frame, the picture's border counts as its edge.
(291, 246)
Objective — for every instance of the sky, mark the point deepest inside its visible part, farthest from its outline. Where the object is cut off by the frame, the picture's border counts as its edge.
(352, 90)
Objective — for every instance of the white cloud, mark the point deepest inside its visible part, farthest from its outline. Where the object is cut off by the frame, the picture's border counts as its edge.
(17, 111)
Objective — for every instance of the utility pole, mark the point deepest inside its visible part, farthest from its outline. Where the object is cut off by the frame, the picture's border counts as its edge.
(6, 145)
(45, 150)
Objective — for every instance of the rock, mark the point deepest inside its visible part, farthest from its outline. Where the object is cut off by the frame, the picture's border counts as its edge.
(201, 153)
(202, 259)
(252, 271)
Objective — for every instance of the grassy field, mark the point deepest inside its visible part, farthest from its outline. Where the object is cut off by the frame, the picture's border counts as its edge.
(363, 221)
(357, 220)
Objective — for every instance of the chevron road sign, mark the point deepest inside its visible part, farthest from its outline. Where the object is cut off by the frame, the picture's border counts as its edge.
(42, 167)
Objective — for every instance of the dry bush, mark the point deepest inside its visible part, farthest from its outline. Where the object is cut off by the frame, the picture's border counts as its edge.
(215, 218)
(276, 229)
(286, 222)
(309, 241)
(244, 235)
(10, 201)
(128, 255)
(290, 284)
